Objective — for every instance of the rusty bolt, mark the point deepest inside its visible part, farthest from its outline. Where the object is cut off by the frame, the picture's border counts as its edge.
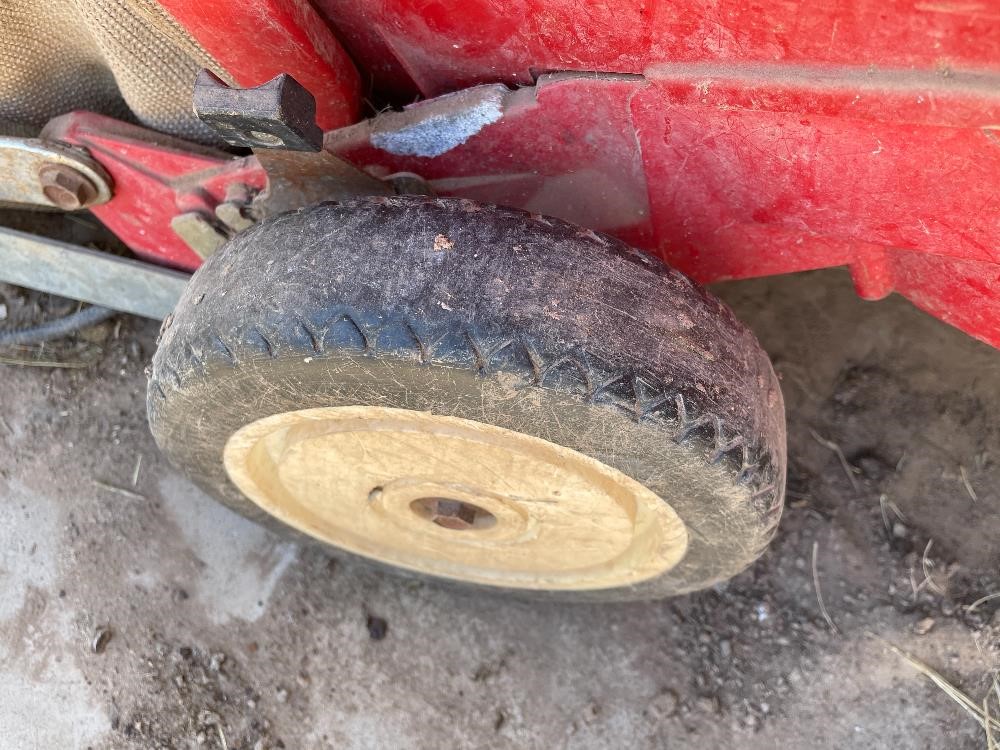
(452, 514)
(67, 188)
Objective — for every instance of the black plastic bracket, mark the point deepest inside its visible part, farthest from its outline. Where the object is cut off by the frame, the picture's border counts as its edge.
(279, 114)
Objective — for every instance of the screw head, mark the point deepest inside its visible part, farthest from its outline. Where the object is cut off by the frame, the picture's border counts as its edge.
(67, 188)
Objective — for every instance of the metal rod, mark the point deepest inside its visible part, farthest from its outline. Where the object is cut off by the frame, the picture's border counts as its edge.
(88, 275)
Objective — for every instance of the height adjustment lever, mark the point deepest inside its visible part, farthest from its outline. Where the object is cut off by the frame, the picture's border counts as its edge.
(279, 114)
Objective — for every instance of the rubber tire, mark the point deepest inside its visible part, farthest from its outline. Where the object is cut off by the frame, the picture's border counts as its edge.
(490, 314)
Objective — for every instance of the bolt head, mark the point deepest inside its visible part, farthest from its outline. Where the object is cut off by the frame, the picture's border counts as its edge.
(453, 514)
(67, 188)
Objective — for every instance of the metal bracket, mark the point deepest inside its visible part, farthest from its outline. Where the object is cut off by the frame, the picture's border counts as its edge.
(278, 114)
(38, 173)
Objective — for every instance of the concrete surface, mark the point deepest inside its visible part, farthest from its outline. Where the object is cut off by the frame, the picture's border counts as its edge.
(222, 635)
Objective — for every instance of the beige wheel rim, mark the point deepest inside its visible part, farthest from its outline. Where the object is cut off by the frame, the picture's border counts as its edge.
(455, 498)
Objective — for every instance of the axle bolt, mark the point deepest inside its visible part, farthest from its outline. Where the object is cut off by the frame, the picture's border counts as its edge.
(65, 187)
(453, 514)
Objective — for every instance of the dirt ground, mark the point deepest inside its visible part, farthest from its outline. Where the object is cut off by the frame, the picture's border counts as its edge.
(137, 613)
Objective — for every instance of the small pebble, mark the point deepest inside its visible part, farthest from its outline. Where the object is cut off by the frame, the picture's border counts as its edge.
(591, 712)
(101, 639)
(663, 706)
(3, 312)
(924, 626)
(377, 628)
(899, 530)
(209, 718)
(710, 704)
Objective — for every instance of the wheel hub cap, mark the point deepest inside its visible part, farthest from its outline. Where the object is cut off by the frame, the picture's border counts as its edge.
(455, 498)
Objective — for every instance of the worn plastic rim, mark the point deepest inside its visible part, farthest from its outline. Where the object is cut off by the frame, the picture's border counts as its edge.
(531, 514)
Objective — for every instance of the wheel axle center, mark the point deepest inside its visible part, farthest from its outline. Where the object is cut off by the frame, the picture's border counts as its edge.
(453, 514)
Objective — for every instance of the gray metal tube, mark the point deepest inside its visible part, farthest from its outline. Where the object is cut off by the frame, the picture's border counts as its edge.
(88, 275)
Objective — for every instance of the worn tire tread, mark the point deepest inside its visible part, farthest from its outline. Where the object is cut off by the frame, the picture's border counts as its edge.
(751, 452)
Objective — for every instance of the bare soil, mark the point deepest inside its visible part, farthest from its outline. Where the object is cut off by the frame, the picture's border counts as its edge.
(135, 612)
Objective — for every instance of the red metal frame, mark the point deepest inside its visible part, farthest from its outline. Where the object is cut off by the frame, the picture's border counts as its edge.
(733, 139)
(155, 179)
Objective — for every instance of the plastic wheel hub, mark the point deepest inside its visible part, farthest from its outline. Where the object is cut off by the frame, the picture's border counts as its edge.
(455, 498)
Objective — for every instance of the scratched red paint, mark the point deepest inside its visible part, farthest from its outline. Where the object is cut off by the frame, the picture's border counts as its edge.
(448, 44)
(751, 139)
(155, 178)
(255, 40)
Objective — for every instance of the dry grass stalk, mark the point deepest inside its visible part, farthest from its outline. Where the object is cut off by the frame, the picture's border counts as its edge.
(895, 509)
(882, 500)
(819, 592)
(845, 465)
(118, 490)
(917, 588)
(885, 504)
(991, 744)
(983, 600)
(44, 363)
(981, 714)
(926, 564)
(968, 486)
(135, 472)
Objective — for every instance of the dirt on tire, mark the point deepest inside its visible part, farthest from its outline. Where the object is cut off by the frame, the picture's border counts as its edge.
(491, 315)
